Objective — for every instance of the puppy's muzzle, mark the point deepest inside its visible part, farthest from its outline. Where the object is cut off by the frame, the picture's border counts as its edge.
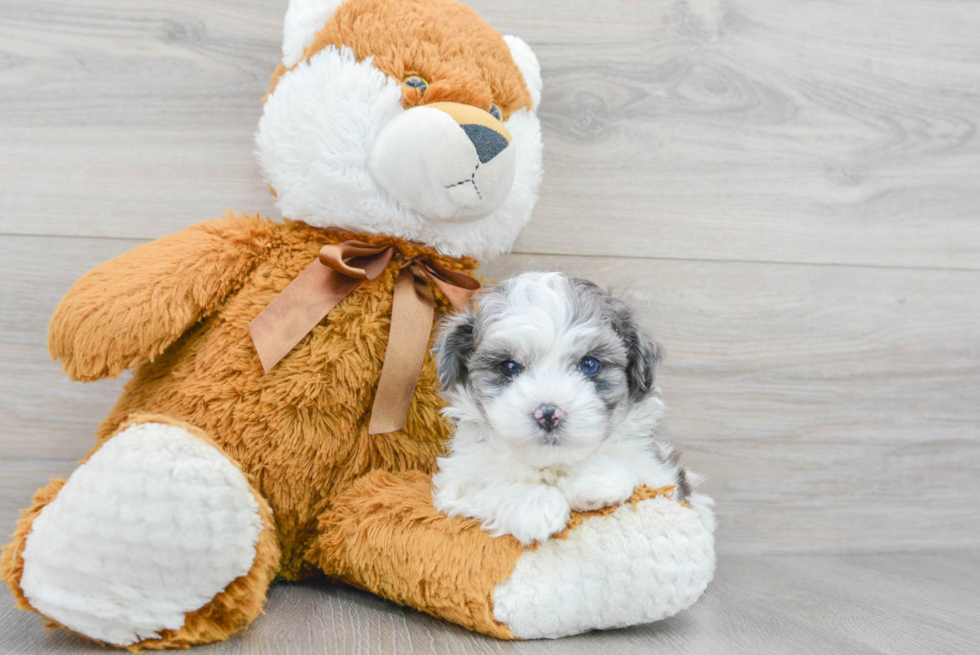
(548, 417)
(447, 161)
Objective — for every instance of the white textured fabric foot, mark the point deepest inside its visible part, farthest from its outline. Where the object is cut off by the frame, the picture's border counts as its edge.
(154, 525)
(634, 566)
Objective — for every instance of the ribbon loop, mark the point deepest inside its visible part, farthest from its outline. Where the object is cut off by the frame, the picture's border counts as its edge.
(339, 269)
(356, 259)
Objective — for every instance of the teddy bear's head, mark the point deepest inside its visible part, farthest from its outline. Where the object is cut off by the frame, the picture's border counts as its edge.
(413, 118)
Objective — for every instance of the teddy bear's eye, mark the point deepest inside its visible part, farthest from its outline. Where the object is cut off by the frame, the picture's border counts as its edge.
(495, 112)
(416, 82)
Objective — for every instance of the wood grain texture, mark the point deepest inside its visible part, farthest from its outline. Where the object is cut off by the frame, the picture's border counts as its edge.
(43, 413)
(827, 131)
(807, 605)
(763, 130)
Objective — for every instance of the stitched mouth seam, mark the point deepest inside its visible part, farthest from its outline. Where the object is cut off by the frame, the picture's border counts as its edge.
(470, 180)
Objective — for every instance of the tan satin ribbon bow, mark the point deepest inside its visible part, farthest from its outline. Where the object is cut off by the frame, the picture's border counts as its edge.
(340, 269)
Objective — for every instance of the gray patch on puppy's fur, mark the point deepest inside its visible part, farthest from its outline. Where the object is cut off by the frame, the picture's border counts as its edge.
(683, 486)
(453, 348)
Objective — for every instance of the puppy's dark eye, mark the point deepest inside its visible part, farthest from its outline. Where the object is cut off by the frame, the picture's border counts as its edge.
(510, 369)
(416, 82)
(495, 112)
(589, 366)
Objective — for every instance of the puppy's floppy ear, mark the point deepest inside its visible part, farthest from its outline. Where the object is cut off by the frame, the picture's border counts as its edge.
(643, 353)
(453, 347)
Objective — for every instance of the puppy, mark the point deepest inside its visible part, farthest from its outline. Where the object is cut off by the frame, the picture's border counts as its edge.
(550, 382)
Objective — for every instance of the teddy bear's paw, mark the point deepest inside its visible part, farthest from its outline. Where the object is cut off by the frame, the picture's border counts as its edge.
(154, 525)
(640, 563)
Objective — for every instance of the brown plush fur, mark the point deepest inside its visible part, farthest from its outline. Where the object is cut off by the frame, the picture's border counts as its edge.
(179, 307)
(300, 431)
(333, 498)
(462, 58)
(384, 535)
(131, 309)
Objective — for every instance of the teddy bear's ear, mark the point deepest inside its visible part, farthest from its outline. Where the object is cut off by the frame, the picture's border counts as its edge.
(304, 18)
(527, 61)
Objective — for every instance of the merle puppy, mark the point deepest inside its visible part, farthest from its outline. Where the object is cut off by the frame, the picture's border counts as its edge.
(550, 382)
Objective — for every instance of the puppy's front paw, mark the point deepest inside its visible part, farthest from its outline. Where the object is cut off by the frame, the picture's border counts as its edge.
(542, 512)
(591, 492)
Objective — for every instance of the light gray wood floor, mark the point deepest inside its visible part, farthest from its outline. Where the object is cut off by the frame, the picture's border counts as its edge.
(789, 189)
(758, 605)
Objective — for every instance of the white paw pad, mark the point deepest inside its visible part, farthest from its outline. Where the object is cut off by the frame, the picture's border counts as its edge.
(154, 525)
(636, 565)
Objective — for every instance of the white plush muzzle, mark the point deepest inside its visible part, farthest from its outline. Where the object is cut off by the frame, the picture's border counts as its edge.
(434, 160)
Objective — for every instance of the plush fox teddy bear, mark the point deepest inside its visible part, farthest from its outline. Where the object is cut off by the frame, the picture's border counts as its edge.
(283, 416)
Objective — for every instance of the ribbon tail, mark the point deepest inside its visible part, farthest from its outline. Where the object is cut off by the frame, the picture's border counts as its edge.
(459, 297)
(412, 313)
(458, 287)
(296, 311)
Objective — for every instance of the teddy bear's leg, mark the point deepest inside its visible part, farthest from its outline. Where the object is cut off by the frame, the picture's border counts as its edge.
(642, 561)
(157, 540)
(385, 535)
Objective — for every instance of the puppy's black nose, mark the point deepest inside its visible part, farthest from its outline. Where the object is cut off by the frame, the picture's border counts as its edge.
(548, 416)
(488, 143)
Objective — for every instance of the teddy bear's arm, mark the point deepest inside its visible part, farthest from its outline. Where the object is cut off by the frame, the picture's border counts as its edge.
(129, 309)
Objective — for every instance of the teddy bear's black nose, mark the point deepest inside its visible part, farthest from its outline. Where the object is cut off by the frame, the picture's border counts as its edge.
(487, 142)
